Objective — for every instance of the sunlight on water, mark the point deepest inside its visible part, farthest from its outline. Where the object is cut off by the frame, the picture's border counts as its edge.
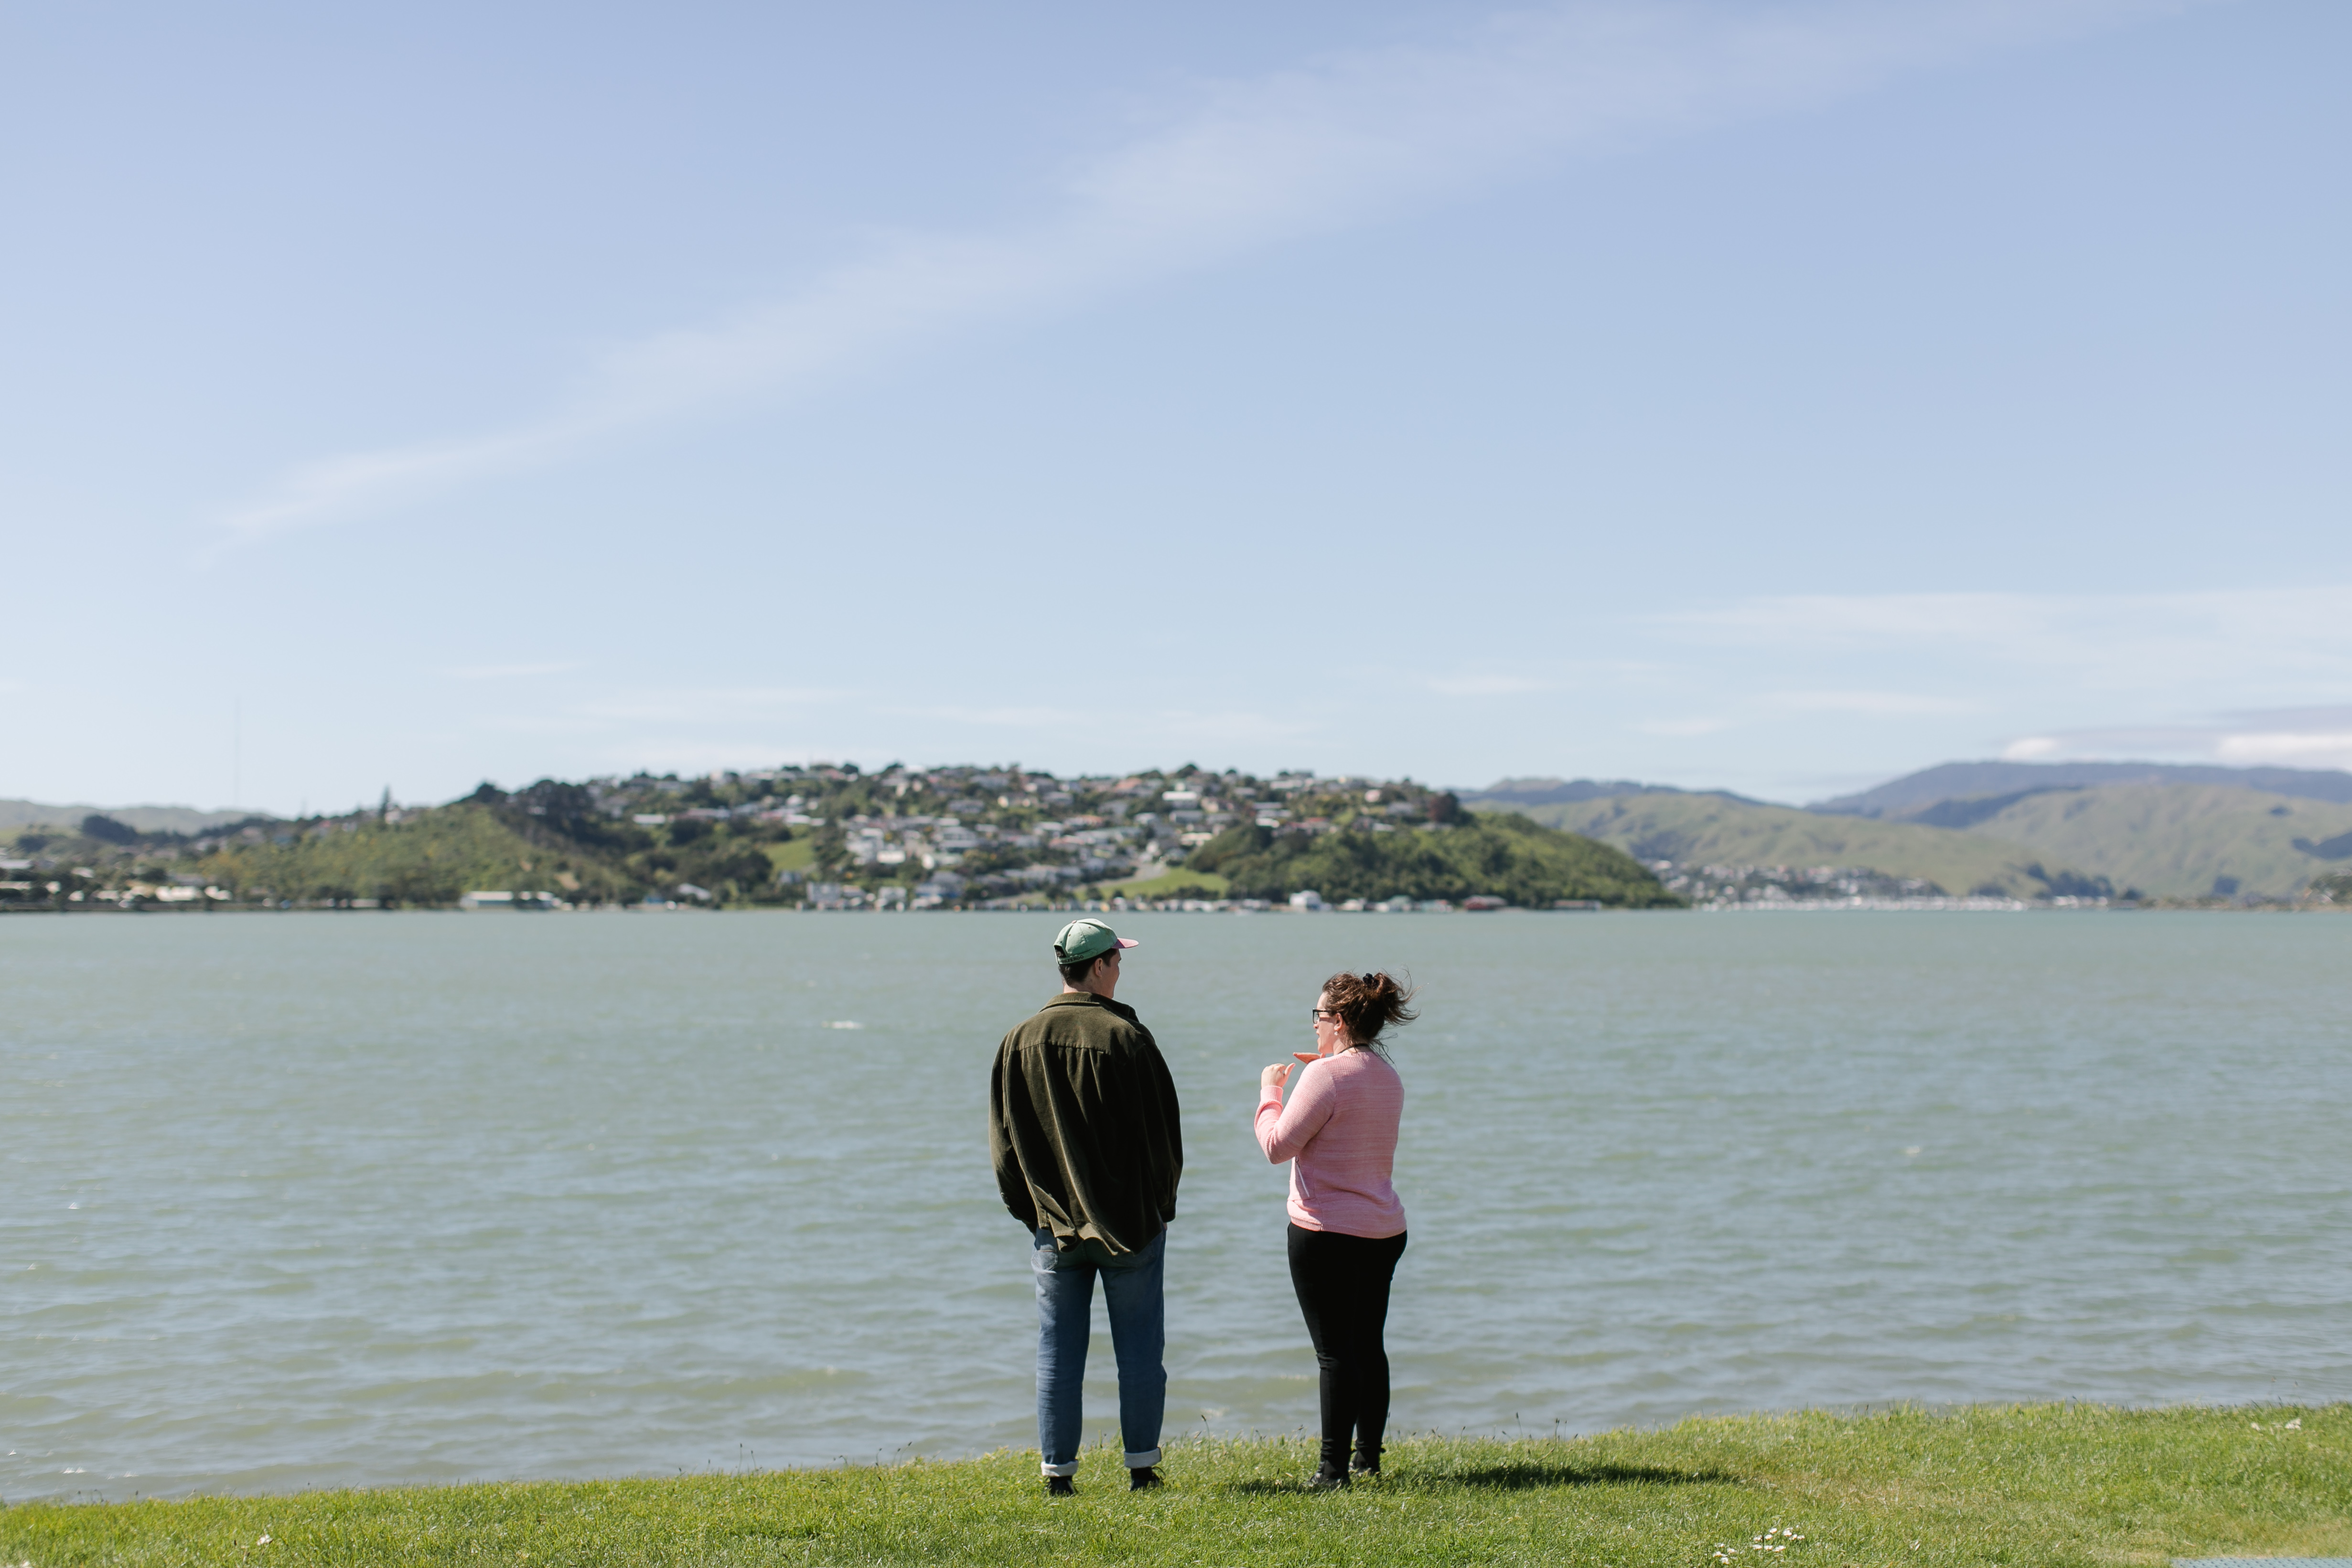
(313, 1200)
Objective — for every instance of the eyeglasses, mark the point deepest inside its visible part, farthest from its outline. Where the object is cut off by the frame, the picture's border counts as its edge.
(1324, 1013)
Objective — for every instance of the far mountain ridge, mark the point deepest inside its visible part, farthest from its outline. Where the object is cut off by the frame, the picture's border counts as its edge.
(1515, 792)
(141, 819)
(1957, 795)
(2171, 841)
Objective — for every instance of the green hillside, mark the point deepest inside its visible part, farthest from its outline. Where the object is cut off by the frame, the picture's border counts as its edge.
(1500, 855)
(428, 861)
(542, 839)
(142, 819)
(2181, 840)
(2166, 841)
(548, 838)
(1714, 829)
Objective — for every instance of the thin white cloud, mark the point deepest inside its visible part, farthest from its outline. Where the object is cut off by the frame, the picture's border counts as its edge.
(505, 672)
(997, 718)
(2288, 737)
(2338, 717)
(1483, 684)
(537, 724)
(2270, 638)
(1252, 164)
(1194, 727)
(1682, 729)
(702, 705)
(1880, 704)
(2330, 749)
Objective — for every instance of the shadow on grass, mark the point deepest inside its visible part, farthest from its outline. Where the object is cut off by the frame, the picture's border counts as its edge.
(1515, 1477)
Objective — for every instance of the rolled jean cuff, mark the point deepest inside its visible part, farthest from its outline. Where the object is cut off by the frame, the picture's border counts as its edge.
(1067, 1467)
(1141, 1461)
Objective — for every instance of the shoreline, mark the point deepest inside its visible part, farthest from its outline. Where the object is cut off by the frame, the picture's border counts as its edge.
(1805, 906)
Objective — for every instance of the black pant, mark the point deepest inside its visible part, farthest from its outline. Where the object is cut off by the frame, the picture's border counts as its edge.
(1343, 1289)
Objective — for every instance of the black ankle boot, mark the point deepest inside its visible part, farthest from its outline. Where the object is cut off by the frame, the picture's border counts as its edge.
(1060, 1486)
(1143, 1479)
(1327, 1478)
(1368, 1462)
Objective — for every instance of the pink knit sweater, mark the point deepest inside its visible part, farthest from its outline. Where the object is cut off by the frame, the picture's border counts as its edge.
(1339, 1134)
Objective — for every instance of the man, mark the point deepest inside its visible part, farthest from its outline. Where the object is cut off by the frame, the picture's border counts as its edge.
(1082, 1125)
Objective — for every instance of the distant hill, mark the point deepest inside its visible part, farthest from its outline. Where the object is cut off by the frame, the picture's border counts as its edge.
(1516, 793)
(2181, 840)
(550, 838)
(1723, 829)
(1502, 854)
(17, 813)
(2171, 840)
(1915, 794)
(432, 859)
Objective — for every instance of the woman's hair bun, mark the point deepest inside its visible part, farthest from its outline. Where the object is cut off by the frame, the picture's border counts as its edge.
(1367, 1004)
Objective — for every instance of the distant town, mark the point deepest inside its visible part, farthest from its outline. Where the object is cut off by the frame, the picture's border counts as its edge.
(827, 838)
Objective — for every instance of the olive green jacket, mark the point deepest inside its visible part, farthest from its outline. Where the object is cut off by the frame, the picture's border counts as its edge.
(1082, 1123)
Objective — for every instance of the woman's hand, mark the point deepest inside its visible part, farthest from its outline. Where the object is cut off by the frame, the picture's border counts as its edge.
(1271, 1080)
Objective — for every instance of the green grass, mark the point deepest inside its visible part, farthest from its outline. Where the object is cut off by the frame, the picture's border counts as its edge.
(2042, 1485)
(1176, 884)
(794, 855)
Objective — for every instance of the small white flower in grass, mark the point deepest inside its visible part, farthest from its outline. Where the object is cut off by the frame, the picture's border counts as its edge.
(264, 1541)
(1776, 1538)
(2295, 1425)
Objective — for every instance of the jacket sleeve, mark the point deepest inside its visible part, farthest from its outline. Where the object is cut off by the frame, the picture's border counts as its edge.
(1007, 1092)
(1171, 1118)
(1282, 1131)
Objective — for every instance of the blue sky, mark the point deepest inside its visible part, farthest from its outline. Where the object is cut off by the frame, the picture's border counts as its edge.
(1777, 396)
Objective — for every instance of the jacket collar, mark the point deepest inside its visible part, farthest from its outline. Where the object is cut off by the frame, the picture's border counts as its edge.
(1089, 999)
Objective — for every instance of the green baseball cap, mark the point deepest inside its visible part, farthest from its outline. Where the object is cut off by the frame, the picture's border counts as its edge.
(1083, 940)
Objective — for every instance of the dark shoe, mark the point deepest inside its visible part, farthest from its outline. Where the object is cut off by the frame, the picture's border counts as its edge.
(1144, 1480)
(1326, 1478)
(1060, 1486)
(1367, 1465)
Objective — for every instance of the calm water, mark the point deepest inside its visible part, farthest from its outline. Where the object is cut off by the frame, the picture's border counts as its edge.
(313, 1200)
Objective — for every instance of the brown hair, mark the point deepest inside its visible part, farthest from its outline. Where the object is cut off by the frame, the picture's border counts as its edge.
(1367, 1004)
(1076, 974)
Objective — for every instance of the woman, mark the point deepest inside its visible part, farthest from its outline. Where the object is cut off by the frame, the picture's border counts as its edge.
(1346, 1227)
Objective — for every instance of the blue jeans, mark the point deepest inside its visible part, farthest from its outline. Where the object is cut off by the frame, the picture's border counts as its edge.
(1139, 1331)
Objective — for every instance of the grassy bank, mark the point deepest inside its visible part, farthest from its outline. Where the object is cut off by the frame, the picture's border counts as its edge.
(2044, 1485)
(1178, 884)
